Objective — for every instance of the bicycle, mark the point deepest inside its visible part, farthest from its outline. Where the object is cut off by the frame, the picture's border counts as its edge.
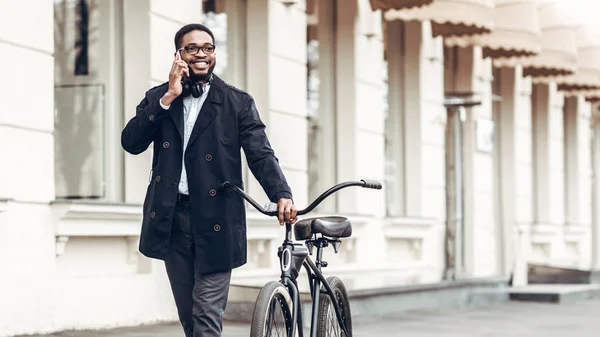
(284, 294)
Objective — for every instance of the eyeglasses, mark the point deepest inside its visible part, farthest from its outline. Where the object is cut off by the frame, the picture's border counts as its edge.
(193, 50)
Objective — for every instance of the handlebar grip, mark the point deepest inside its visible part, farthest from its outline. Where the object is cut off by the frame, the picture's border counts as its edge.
(372, 184)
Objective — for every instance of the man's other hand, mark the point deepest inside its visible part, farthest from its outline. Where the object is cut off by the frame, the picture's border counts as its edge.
(287, 211)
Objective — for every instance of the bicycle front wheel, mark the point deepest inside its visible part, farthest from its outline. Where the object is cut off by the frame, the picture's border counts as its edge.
(272, 312)
(328, 323)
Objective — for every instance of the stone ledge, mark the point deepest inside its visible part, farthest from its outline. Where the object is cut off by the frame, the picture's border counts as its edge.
(548, 274)
(383, 301)
(4, 204)
(555, 293)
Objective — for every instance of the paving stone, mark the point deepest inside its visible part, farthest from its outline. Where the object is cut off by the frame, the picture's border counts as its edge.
(514, 319)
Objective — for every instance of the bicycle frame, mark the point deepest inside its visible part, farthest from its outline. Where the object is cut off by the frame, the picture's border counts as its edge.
(293, 256)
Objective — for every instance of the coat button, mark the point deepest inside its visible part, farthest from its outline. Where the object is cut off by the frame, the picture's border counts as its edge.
(151, 117)
(166, 145)
(208, 157)
(157, 179)
(212, 193)
(153, 215)
(217, 228)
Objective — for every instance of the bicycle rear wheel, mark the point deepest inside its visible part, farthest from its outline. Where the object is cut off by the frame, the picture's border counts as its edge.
(328, 324)
(272, 312)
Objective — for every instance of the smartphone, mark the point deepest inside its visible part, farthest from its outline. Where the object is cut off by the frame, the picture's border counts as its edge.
(184, 77)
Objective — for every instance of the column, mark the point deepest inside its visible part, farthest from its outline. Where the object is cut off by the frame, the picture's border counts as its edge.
(505, 119)
(513, 172)
(595, 265)
(571, 161)
(276, 78)
(149, 30)
(577, 181)
(359, 105)
(586, 182)
(540, 112)
(552, 247)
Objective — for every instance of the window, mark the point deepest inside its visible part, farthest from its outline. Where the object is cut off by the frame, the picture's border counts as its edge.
(312, 69)
(215, 19)
(227, 21)
(88, 113)
(321, 100)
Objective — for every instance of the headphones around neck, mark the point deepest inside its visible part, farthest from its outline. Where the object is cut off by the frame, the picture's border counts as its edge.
(195, 89)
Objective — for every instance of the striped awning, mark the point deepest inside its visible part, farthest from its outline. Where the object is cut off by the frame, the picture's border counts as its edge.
(559, 45)
(587, 75)
(592, 96)
(516, 31)
(451, 17)
(397, 4)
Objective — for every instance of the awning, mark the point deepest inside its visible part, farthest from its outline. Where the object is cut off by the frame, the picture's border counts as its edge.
(516, 31)
(397, 4)
(587, 76)
(592, 96)
(451, 17)
(559, 46)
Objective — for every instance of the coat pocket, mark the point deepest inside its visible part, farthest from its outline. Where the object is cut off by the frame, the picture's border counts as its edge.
(149, 199)
(236, 204)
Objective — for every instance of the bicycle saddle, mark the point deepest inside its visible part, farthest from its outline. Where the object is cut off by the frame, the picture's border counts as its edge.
(330, 226)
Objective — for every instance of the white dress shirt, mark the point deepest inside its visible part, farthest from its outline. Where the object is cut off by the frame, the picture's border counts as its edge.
(191, 109)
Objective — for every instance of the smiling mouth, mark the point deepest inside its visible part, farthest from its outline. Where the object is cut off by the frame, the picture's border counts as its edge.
(201, 63)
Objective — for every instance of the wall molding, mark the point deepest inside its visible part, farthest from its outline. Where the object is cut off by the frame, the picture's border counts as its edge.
(96, 219)
(85, 219)
(413, 228)
(543, 232)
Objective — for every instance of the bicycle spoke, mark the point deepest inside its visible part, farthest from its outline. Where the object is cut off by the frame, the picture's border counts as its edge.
(273, 318)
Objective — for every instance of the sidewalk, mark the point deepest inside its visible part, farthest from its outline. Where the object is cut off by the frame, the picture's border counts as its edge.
(512, 319)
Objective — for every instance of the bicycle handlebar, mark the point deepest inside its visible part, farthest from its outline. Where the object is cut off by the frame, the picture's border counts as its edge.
(362, 183)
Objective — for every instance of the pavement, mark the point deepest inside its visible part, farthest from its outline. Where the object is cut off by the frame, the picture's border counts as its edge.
(514, 319)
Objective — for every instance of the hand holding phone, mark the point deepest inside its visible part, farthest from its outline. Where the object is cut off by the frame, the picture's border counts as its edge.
(179, 72)
(186, 73)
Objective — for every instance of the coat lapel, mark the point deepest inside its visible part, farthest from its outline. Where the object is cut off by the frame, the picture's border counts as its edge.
(210, 109)
(177, 115)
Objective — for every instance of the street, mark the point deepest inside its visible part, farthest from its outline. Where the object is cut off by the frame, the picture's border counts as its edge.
(514, 319)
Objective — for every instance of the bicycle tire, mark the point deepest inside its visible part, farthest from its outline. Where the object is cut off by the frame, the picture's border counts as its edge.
(327, 312)
(271, 293)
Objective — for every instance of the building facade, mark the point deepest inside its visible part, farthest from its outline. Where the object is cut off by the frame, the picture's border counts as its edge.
(478, 116)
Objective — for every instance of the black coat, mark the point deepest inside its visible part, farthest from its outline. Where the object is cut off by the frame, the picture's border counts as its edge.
(227, 121)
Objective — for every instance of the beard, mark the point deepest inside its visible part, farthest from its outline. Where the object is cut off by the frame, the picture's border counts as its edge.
(195, 78)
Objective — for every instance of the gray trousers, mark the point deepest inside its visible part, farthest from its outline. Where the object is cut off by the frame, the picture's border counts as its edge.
(200, 298)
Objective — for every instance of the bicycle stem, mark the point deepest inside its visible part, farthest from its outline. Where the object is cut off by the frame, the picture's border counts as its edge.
(288, 232)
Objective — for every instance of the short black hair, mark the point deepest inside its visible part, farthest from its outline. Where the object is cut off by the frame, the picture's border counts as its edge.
(188, 28)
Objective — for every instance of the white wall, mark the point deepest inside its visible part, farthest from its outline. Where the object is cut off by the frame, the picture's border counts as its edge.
(27, 168)
(72, 265)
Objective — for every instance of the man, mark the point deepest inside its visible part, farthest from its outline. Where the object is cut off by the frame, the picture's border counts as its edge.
(197, 124)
